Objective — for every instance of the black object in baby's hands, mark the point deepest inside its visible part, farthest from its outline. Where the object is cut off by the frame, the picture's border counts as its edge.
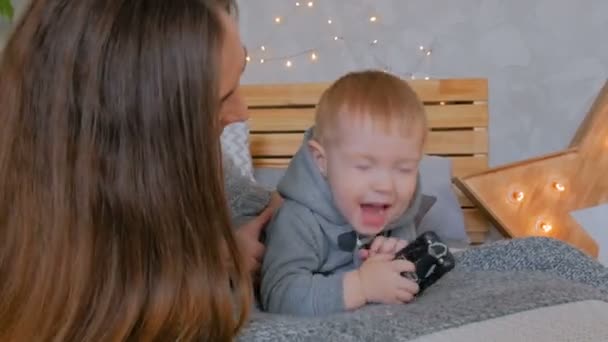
(431, 257)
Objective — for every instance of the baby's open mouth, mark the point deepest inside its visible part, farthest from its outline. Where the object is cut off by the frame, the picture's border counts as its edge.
(374, 214)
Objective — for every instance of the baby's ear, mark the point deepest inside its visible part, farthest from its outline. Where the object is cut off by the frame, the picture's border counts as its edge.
(318, 155)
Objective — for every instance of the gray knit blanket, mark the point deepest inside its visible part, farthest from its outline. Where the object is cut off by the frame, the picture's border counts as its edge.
(490, 281)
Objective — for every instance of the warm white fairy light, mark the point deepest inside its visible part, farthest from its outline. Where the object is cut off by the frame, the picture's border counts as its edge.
(310, 4)
(263, 56)
(248, 59)
(298, 4)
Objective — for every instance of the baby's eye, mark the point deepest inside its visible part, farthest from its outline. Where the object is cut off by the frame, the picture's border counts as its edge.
(405, 170)
(362, 167)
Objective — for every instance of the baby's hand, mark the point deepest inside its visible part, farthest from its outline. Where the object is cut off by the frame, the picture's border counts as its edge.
(381, 280)
(383, 245)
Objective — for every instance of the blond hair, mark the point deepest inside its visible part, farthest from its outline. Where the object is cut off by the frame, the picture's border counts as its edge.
(384, 98)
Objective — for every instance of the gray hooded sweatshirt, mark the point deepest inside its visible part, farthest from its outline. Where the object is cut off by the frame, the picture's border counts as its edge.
(305, 263)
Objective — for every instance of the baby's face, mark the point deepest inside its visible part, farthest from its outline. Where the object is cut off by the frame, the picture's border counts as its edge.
(373, 174)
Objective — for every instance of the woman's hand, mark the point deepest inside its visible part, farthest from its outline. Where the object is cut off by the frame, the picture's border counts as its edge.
(248, 235)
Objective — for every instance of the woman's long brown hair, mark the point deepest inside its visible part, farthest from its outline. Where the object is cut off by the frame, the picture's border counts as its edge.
(113, 222)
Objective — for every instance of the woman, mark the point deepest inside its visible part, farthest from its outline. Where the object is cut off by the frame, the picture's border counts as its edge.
(113, 221)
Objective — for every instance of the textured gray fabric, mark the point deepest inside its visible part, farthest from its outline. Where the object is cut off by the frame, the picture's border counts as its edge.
(583, 321)
(246, 199)
(490, 281)
(304, 264)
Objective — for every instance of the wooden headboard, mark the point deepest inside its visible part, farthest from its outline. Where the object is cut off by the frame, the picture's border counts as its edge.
(457, 112)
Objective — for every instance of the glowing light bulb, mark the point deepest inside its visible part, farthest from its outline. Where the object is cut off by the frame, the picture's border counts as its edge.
(427, 78)
(262, 60)
(277, 20)
(545, 226)
(298, 4)
(288, 64)
(263, 48)
(310, 4)
(329, 21)
(313, 56)
(517, 196)
(375, 41)
(559, 186)
(373, 19)
(248, 59)
(421, 48)
(428, 53)
(336, 38)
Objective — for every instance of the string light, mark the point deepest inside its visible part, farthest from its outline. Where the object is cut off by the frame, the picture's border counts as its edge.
(248, 59)
(263, 56)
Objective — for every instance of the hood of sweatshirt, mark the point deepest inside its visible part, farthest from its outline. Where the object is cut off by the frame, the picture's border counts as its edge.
(304, 184)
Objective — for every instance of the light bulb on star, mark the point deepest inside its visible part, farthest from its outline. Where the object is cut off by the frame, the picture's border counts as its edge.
(544, 225)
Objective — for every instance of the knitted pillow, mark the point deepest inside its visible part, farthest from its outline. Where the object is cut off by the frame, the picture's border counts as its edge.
(235, 145)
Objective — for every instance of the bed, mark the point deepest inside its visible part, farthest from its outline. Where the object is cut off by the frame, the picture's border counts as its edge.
(533, 289)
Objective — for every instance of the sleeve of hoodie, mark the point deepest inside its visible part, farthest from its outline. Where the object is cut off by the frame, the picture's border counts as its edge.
(246, 198)
(291, 282)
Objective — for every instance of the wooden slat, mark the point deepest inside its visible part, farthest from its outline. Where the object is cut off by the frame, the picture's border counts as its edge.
(300, 119)
(457, 116)
(476, 225)
(448, 142)
(464, 201)
(281, 119)
(451, 90)
(461, 166)
(297, 94)
(309, 93)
